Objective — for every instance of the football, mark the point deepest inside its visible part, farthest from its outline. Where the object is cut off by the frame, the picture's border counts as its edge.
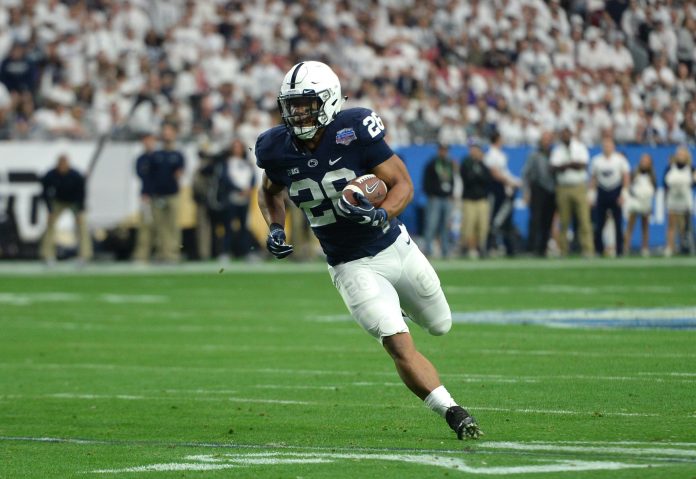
(373, 188)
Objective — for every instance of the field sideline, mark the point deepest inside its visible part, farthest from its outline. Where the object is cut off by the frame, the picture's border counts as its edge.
(573, 369)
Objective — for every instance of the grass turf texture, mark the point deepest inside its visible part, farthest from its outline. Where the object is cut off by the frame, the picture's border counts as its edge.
(257, 372)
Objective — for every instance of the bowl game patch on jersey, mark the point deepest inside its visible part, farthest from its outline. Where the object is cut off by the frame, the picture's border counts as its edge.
(345, 136)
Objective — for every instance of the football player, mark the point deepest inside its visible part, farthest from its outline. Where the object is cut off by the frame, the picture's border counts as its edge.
(376, 267)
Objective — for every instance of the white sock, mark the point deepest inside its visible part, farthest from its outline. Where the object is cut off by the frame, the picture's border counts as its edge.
(439, 400)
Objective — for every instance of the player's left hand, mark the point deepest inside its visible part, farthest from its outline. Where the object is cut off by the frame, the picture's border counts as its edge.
(364, 212)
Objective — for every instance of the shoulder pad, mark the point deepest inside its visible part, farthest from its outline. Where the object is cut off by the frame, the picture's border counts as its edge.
(366, 126)
(268, 145)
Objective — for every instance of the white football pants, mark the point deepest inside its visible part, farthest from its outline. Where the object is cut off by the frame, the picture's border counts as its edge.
(376, 289)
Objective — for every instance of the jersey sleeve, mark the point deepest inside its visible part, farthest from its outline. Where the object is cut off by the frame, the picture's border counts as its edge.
(142, 165)
(180, 161)
(266, 158)
(370, 132)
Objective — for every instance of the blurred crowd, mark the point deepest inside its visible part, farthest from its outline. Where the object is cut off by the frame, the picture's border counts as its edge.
(435, 70)
(576, 202)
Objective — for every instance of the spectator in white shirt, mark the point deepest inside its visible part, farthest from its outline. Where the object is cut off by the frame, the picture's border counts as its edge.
(619, 57)
(626, 124)
(511, 129)
(266, 75)
(452, 132)
(679, 180)
(658, 72)
(684, 85)
(554, 116)
(131, 16)
(639, 201)
(503, 187)
(57, 122)
(600, 121)
(559, 18)
(663, 40)
(609, 173)
(569, 160)
(534, 62)
(563, 55)
(592, 51)
(531, 130)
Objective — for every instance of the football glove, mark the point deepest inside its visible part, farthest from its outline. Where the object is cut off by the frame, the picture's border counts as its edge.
(275, 243)
(364, 212)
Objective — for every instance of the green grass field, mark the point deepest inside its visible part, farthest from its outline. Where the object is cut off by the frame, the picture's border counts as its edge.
(258, 371)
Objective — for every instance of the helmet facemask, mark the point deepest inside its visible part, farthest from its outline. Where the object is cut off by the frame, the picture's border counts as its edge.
(304, 112)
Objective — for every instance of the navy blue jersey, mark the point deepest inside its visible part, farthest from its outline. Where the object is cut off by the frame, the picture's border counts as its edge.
(162, 172)
(351, 146)
(67, 188)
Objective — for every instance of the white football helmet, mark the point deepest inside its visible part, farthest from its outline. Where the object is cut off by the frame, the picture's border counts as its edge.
(310, 98)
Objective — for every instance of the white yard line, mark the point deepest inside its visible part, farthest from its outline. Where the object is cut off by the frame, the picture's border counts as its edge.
(128, 397)
(661, 446)
(29, 298)
(672, 377)
(580, 354)
(564, 263)
(201, 391)
(560, 411)
(32, 324)
(213, 396)
(206, 462)
(297, 387)
(255, 455)
(603, 449)
(566, 289)
(624, 443)
(227, 347)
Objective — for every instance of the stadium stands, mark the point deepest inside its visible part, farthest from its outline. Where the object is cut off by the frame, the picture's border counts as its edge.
(79, 69)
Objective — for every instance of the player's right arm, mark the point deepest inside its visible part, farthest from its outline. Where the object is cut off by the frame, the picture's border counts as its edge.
(272, 206)
(272, 201)
(271, 196)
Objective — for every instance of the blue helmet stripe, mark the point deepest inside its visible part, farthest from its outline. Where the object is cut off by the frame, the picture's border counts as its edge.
(294, 75)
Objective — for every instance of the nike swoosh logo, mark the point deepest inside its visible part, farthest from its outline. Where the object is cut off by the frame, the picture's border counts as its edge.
(333, 162)
(371, 189)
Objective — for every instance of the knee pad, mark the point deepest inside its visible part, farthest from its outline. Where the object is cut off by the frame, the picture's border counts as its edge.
(441, 327)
